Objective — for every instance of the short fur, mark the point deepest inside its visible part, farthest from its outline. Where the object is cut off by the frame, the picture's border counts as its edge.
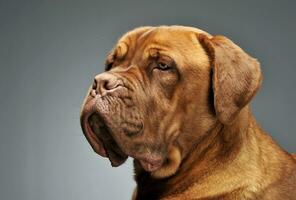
(195, 118)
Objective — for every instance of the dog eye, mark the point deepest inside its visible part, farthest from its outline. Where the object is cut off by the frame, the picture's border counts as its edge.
(163, 66)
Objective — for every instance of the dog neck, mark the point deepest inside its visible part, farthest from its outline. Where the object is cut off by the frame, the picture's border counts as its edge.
(210, 156)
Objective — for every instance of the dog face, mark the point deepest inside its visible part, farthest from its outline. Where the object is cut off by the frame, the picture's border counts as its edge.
(163, 89)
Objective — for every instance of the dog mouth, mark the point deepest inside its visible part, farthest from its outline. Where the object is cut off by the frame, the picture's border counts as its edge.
(106, 145)
(99, 135)
(109, 134)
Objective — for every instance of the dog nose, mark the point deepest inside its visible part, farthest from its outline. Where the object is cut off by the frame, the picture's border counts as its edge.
(105, 82)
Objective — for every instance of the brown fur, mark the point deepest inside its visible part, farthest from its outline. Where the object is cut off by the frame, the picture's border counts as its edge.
(197, 118)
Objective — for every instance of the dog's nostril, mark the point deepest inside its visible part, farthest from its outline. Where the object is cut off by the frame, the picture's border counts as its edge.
(105, 82)
(94, 86)
(107, 85)
(93, 91)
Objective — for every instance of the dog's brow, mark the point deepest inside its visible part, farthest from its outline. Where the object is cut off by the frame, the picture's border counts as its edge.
(121, 49)
(155, 51)
(118, 52)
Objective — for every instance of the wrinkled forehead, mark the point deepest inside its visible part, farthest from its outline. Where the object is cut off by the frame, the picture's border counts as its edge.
(163, 38)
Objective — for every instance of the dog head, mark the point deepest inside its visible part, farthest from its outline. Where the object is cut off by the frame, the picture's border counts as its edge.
(162, 90)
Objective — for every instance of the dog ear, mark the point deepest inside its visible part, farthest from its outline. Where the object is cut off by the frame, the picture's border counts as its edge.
(236, 76)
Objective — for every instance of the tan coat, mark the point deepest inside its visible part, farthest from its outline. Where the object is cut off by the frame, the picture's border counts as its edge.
(193, 134)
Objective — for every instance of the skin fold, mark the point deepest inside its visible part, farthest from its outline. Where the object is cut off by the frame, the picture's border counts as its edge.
(176, 99)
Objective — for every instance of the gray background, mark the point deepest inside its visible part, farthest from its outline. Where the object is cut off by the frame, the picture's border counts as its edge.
(49, 52)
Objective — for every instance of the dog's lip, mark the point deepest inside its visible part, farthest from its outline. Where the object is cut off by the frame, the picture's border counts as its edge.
(149, 162)
(116, 156)
(92, 138)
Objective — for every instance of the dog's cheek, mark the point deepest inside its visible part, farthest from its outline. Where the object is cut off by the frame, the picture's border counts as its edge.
(165, 81)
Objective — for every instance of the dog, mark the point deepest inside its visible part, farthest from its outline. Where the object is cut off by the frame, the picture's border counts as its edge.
(176, 99)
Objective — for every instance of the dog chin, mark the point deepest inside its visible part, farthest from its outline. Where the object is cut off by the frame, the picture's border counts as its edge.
(163, 168)
(149, 162)
(170, 166)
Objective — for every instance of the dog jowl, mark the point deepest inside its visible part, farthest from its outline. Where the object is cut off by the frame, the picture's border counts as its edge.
(176, 99)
